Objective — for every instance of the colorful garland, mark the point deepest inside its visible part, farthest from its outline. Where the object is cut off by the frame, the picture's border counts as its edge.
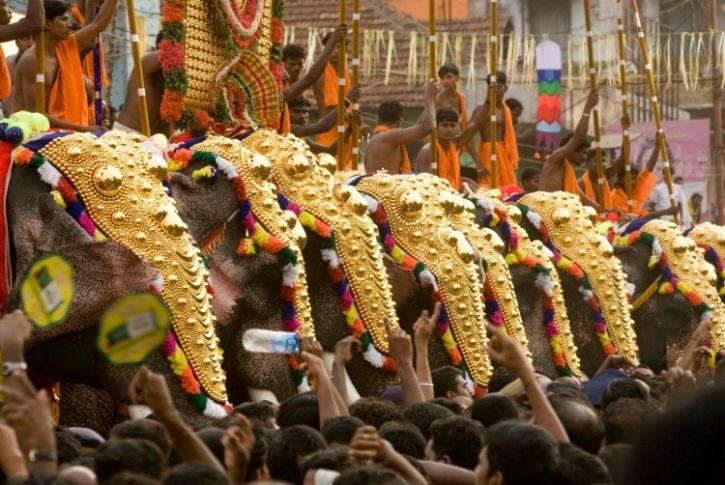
(571, 268)
(340, 283)
(498, 218)
(67, 197)
(254, 236)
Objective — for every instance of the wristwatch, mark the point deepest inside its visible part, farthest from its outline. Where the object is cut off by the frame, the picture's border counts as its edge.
(10, 367)
(34, 456)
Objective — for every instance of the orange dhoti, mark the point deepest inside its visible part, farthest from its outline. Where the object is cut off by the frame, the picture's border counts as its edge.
(330, 97)
(643, 187)
(449, 164)
(569, 183)
(68, 93)
(507, 153)
(592, 194)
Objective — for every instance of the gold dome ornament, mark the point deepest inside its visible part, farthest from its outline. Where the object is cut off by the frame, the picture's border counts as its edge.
(107, 180)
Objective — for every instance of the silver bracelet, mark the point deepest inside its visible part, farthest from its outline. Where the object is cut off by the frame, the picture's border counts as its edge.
(426, 384)
(585, 115)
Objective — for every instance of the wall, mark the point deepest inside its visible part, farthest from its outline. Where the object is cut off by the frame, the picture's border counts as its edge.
(418, 9)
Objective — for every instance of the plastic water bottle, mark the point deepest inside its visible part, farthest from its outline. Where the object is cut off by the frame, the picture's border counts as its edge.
(270, 341)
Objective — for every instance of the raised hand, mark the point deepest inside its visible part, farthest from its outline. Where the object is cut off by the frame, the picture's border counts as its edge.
(238, 442)
(401, 348)
(507, 352)
(425, 325)
(592, 100)
(151, 389)
(345, 348)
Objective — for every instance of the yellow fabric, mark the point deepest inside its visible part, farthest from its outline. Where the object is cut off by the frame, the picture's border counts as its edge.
(68, 100)
(404, 158)
(592, 194)
(6, 83)
(507, 153)
(449, 164)
(330, 99)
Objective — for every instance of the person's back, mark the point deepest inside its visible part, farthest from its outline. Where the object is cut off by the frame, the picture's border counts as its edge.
(129, 118)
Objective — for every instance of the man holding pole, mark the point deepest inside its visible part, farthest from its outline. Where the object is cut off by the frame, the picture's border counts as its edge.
(30, 25)
(65, 90)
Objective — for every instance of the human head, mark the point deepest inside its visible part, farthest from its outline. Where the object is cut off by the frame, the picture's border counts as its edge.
(288, 447)
(299, 110)
(616, 458)
(212, 439)
(696, 199)
(130, 478)
(423, 414)
(129, 455)
(406, 438)
(368, 474)
(678, 180)
(456, 441)
(449, 75)
(447, 123)
(375, 412)
(57, 19)
(263, 411)
(448, 382)
(583, 425)
(500, 378)
(293, 56)
(493, 408)
(68, 448)
(77, 475)
(622, 388)
(516, 453)
(145, 429)
(576, 466)
(390, 113)
(625, 418)
(579, 155)
(335, 55)
(516, 108)
(340, 429)
(335, 458)
(530, 179)
(24, 43)
(299, 409)
(5, 13)
(196, 473)
(501, 84)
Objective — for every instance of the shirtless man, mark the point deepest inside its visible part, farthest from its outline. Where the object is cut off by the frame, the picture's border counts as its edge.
(385, 148)
(128, 119)
(449, 163)
(23, 44)
(30, 25)
(558, 172)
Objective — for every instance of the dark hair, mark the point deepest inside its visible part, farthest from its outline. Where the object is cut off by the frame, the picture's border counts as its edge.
(258, 457)
(196, 473)
(261, 410)
(584, 145)
(293, 51)
(129, 455)
(500, 378)
(578, 467)
(423, 414)
(367, 474)
(390, 112)
(212, 438)
(616, 458)
(514, 103)
(287, 446)
(299, 409)
(452, 405)
(500, 78)
(493, 408)
(446, 113)
(335, 458)
(68, 447)
(375, 412)
(622, 388)
(522, 452)
(55, 8)
(529, 174)
(624, 419)
(582, 424)
(448, 69)
(299, 102)
(459, 438)
(444, 380)
(145, 429)
(130, 478)
(406, 438)
(341, 429)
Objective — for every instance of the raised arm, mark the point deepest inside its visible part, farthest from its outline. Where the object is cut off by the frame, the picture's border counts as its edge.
(652, 162)
(33, 23)
(423, 328)
(580, 133)
(318, 68)
(86, 36)
(421, 128)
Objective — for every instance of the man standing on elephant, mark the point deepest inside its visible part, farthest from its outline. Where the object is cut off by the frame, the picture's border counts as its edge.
(65, 88)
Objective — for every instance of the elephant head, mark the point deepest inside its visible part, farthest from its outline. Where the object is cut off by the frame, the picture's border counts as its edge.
(711, 238)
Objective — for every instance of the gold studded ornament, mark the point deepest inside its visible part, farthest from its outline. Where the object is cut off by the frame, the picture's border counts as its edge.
(687, 261)
(129, 205)
(423, 232)
(710, 236)
(573, 233)
(313, 188)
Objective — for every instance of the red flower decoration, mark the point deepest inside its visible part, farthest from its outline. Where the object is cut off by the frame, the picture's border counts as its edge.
(172, 12)
(172, 106)
(171, 55)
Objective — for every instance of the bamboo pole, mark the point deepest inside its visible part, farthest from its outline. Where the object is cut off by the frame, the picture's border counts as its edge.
(493, 108)
(355, 79)
(594, 82)
(341, 66)
(97, 84)
(138, 68)
(432, 73)
(717, 120)
(661, 140)
(40, 72)
(626, 141)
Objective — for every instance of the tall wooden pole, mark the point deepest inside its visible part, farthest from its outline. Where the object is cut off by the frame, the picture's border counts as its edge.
(662, 142)
(433, 73)
(341, 67)
(626, 141)
(40, 72)
(97, 81)
(594, 84)
(493, 108)
(138, 68)
(717, 121)
(355, 79)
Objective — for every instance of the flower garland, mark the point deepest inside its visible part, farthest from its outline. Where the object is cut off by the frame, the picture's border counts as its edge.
(242, 28)
(712, 257)
(67, 197)
(571, 268)
(498, 218)
(340, 283)
(254, 236)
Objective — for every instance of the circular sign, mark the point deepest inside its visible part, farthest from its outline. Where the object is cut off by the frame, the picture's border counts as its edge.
(132, 327)
(47, 291)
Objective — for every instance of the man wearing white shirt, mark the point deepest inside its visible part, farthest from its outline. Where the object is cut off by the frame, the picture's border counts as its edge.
(661, 198)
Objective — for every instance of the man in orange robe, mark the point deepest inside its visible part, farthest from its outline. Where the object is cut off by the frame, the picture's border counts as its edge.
(450, 95)
(449, 163)
(386, 149)
(88, 67)
(31, 24)
(643, 186)
(66, 102)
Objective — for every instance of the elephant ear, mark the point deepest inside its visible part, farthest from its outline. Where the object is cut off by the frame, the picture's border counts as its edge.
(226, 294)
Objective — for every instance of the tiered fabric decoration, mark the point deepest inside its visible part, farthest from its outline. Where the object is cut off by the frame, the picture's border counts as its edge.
(340, 283)
(254, 236)
(548, 114)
